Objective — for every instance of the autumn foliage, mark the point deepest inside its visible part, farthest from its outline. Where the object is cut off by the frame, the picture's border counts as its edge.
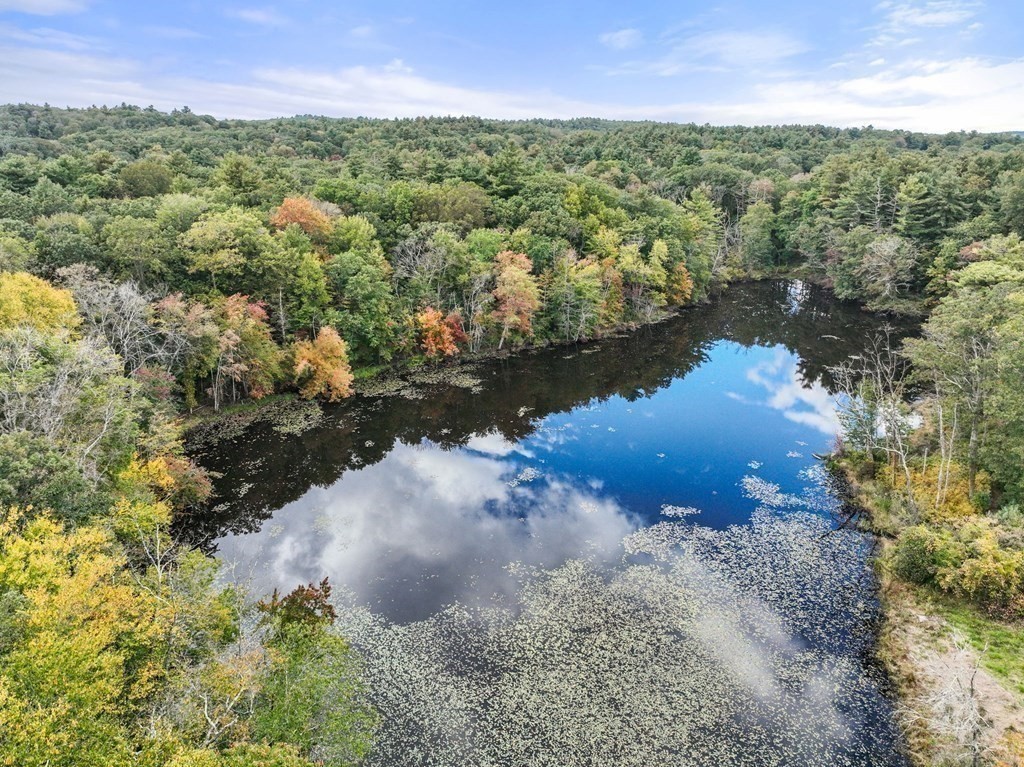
(305, 605)
(440, 335)
(302, 212)
(246, 355)
(322, 368)
(29, 300)
(517, 295)
(680, 285)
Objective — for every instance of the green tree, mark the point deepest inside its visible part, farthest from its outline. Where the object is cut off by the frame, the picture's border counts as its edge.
(1009, 195)
(145, 178)
(313, 696)
(757, 244)
(573, 297)
(957, 355)
(34, 473)
(222, 245)
(507, 171)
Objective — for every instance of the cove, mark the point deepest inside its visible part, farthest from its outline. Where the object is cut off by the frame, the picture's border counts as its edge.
(562, 484)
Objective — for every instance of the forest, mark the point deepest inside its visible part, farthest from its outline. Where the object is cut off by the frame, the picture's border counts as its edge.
(157, 266)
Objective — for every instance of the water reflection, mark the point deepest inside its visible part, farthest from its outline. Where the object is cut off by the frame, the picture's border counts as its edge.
(418, 503)
(800, 401)
(427, 526)
(756, 623)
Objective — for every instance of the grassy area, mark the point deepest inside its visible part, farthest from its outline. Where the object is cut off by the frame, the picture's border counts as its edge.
(1000, 644)
(370, 371)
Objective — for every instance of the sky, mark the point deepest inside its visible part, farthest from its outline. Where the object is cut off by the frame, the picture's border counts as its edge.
(927, 65)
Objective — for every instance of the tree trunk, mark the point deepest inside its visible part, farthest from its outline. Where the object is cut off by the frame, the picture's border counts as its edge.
(280, 311)
(972, 457)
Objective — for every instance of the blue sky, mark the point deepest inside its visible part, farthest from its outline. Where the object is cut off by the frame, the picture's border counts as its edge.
(932, 65)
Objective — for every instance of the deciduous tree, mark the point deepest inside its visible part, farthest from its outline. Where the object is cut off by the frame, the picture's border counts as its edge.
(321, 367)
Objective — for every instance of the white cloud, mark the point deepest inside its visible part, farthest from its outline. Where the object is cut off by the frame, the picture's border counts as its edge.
(744, 48)
(808, 404)
(361, 31)
(35, 75)
(963, 94)
(264, 17)
(622, 39)
(43, 7)
(455, 543)
(902, 21)
(937, 13)
(927, 95)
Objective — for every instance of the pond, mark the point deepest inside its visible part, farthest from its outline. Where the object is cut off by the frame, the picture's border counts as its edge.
(569, 483)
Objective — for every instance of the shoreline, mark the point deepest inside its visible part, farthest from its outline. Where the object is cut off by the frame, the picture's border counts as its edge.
(373, 380)
(951, 707)
(370, 380)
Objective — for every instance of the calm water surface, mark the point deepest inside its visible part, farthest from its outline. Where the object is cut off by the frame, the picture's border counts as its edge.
(413, 503)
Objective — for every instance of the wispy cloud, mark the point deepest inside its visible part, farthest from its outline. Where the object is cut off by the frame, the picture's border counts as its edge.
(935, 13)
(263, 17)
(46, 37)
(903, 22)
(720, 50)
(622, 39)
(43, 7)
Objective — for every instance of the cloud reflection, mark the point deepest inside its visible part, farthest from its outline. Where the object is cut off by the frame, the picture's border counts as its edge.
(800, 402)
(426, 527)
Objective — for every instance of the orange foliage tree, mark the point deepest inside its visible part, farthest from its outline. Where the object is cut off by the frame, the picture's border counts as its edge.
(302, 212)
(321, 367)
(680, 285)
(440, 335)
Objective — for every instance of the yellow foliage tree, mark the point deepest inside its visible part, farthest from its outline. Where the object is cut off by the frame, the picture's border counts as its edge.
(84, 630)
(28, 300)
(321, 367)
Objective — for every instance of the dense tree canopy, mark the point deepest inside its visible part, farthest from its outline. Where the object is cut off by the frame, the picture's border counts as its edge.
(151, 262)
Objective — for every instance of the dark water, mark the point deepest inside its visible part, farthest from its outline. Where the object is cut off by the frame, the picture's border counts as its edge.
(413, 504)
(416, 503)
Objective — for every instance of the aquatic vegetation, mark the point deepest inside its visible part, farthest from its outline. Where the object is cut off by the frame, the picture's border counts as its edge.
(297, 417)
(285, 416)
(668, 510)
(526, 475)
(767, 493)
(509, 618)
(380, 386)
(733, 647)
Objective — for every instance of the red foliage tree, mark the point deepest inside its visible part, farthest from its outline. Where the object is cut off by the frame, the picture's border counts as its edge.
(440, 336)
